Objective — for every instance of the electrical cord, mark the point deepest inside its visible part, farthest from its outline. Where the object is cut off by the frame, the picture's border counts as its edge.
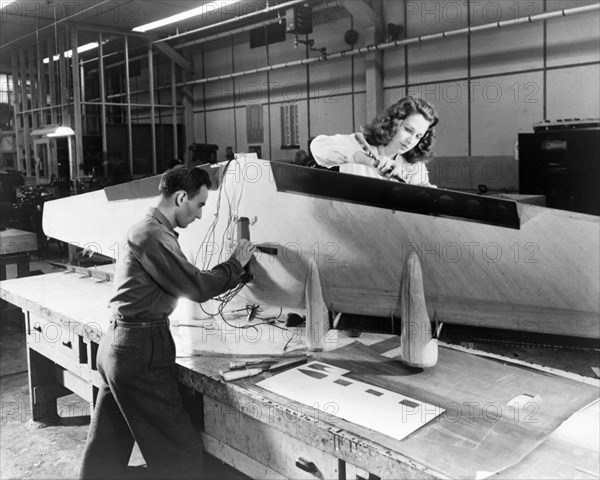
(210, 233)
(232, 203)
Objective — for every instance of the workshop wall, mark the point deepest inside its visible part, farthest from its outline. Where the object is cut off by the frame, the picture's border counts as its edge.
(487, 87)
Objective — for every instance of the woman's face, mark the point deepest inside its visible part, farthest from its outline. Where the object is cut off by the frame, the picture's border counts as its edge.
(410, 131)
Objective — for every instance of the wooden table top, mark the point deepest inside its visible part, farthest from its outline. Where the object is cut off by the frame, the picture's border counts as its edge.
(207, 345)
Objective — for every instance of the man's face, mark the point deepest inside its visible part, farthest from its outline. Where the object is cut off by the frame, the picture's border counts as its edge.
(191, 208)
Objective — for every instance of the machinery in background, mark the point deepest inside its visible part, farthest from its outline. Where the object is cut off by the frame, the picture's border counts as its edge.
(204, 153)
(560, 161)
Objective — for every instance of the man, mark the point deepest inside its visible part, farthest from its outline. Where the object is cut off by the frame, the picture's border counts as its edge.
(136, 358)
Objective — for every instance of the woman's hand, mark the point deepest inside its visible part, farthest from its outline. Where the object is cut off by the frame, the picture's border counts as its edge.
(388, 167)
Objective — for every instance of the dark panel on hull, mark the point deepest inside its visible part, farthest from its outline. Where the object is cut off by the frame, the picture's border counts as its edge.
(396, 196)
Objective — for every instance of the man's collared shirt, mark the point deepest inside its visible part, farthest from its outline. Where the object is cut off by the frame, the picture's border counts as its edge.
(154, 272)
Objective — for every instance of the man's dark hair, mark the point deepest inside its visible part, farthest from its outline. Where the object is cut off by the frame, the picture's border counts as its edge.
(189, 179)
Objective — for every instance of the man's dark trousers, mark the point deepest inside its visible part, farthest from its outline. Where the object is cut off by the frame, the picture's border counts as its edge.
(140, 402)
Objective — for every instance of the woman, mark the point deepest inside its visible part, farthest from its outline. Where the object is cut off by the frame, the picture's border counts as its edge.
(395, 145)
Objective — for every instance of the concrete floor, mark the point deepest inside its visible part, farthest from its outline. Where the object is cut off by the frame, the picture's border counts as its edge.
(31, 450)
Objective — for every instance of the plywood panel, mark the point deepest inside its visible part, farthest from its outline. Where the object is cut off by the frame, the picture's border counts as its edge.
(543, 277)
(496, 275)
(496, 413)
(553, 460)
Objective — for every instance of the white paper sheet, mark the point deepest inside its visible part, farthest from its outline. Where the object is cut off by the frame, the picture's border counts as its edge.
(328, 389)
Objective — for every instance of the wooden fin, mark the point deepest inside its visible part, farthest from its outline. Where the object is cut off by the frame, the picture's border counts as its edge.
(317, 316)
(418, 348)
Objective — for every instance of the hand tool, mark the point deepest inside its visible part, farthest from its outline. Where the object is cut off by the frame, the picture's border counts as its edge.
(252, 311)
(243, 232)
(369, 153)
(236, 365)
(267, 249)
(250, 372)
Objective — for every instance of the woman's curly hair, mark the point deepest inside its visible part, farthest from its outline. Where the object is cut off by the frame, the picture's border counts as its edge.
(383, 127)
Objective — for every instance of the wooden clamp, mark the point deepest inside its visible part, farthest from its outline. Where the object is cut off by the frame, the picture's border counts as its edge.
(317, 316)
(418, 348)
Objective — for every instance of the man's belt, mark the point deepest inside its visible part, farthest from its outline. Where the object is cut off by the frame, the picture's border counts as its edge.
(133, 323)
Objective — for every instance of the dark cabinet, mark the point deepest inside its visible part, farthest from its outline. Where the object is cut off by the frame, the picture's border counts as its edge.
(564, 166)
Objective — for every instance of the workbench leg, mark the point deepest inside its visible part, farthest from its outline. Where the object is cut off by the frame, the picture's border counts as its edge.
(72, 252)
(91, 357)
(417, 347)
(23, 267)
(22, 261)
(193, 402)
(42, 379)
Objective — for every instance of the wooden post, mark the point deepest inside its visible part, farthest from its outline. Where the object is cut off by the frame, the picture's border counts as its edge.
(43, 389)
(417, 348)
(317, 317)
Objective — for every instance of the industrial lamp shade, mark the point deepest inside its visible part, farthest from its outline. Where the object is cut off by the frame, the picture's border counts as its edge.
(62, 131)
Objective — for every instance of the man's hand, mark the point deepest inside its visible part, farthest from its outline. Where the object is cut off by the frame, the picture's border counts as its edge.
(243, 251)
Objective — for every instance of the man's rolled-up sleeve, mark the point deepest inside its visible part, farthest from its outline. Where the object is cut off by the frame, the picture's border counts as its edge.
(164, 261)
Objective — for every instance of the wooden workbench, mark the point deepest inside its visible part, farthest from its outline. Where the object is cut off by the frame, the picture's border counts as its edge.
(15, 246)
(255, 431)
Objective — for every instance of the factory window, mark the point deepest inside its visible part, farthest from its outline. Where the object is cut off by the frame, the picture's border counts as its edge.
(6, 88)
(254, 122)
(290, 136)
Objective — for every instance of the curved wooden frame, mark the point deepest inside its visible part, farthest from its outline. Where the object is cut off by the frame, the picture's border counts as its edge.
(543, 277)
